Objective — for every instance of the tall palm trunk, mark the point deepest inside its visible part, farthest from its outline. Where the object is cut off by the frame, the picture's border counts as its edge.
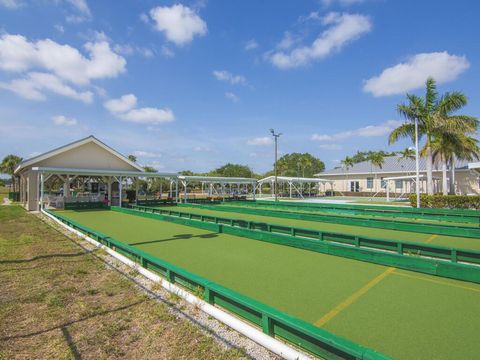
(444, 176)
(429, 170)
(452, 175)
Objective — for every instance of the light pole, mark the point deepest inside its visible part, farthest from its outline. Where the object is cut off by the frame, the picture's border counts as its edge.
(417, 163)
(276, 136)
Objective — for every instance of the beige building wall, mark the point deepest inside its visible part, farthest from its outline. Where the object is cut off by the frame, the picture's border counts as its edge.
(466, 182)
(87, 156)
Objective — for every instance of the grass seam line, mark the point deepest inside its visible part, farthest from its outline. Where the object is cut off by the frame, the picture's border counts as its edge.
(437, 281)
(431, 238)
(352, 298)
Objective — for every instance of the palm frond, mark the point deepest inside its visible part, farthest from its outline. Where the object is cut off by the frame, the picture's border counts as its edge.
(403, 131)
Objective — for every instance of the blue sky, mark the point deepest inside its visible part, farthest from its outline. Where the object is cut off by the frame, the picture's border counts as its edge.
(196, 84)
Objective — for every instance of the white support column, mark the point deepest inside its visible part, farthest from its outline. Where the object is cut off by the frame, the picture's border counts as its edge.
(388, 190)
(176, 190)
(37, 186)
(137, 181)
(120, 191)
(41, 192)
(109, 190)
(290, 186)
(185, 183)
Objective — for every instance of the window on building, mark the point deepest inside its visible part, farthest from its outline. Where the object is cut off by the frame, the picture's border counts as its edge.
(398, 184)
(369, 183)
(384, 183)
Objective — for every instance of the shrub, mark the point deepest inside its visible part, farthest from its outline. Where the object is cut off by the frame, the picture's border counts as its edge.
(446, 201)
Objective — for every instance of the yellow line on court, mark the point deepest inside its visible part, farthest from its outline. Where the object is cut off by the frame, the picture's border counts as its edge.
(352, 298)
(431, 238)
(437, 282)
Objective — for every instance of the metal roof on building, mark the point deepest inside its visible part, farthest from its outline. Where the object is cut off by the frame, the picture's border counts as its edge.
(392, 164)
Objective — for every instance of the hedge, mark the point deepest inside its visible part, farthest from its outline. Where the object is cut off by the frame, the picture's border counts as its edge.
(446, 201)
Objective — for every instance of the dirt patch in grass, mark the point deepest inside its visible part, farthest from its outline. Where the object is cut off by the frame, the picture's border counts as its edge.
(58, 300)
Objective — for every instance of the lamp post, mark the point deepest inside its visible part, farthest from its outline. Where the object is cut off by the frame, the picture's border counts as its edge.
(417, 163)
(276, 136)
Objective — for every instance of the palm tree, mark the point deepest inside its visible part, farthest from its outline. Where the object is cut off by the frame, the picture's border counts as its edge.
(8, 166)
(408, 153)
(377, 159)
(446, 147)
(347, 163)
(435, 116)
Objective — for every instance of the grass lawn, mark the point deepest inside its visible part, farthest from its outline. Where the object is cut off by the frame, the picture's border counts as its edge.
(452, 241)
(59, 301)
(400, 313)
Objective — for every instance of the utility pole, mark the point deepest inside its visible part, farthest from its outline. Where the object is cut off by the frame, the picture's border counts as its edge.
(417, 163)
(276, 136)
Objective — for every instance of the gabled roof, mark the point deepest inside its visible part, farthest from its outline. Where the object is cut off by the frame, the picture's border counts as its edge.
(73, 145)
(392, 164)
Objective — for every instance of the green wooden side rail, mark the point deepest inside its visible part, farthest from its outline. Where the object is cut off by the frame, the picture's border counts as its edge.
(459, 264)
(468, 219)
(156, 202)
(84, 205)
(439, 229)
(442, 214)
(272, 322)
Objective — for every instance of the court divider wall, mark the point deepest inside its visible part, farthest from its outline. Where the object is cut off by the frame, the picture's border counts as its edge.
(438, 229)
(368, 208)
(429, 259)
(272, 321)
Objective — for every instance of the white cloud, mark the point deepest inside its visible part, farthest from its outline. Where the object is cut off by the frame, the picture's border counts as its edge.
(34, 85)
(343, 29)
(231, 96)
(81, 6)
(11, 4)
(125, 108)
(262, 141)
(167, 52)
(367, 131)
(147, 154)
(330, 147)
(179, 23)
(82, 9)
(287, 41)
(413, 73)
(61, 120)
(251, 45)
(122, 104)
(128, 50)
(223, 75)
(17, 54)
(59, 28)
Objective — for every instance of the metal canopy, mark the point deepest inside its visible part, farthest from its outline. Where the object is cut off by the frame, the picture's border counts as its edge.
(102, 172)
(217, 179)
(293, 179)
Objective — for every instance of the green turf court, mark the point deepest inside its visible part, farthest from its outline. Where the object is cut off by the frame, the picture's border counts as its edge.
(443, 240)
(402, 314)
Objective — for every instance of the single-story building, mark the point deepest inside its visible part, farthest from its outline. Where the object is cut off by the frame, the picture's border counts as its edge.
(398, 174)
(101, 169)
